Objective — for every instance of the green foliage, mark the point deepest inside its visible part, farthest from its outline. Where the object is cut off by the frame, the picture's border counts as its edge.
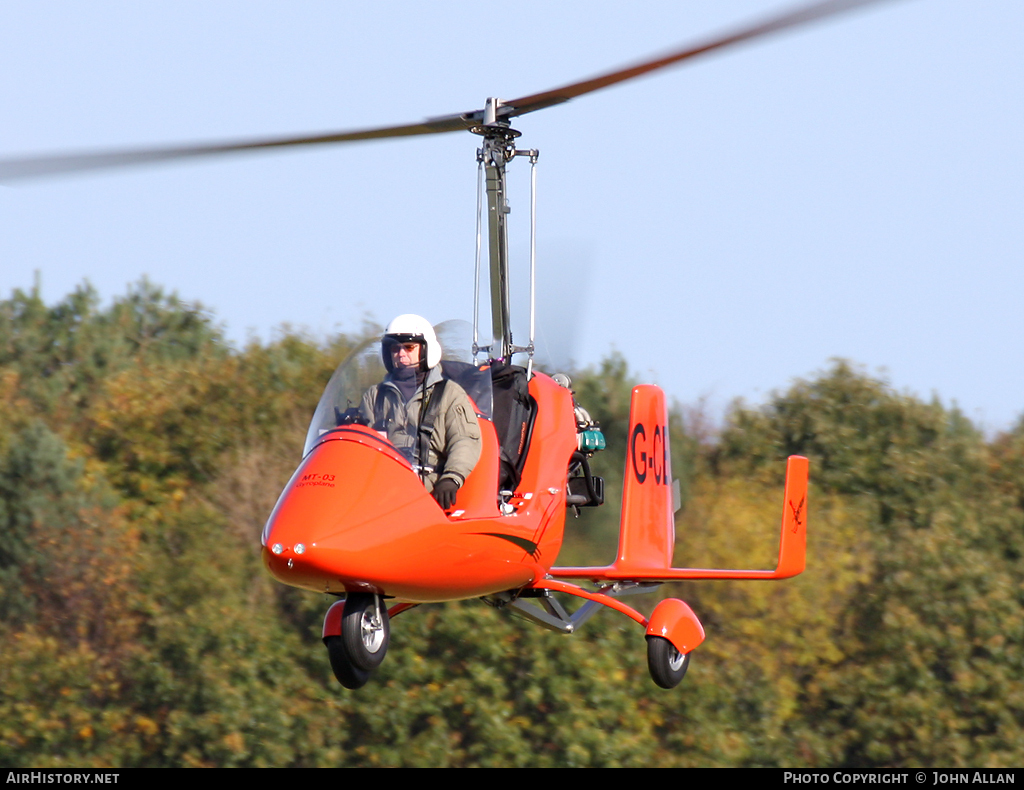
(860, 436)
(62, 353)
(932, 636)
(447, 697)
(63, 544)
(140, 455)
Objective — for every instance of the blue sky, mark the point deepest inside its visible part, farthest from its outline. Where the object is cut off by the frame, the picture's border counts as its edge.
(854, 188)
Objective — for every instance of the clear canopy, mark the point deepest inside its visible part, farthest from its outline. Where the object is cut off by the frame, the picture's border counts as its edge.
(350, 394)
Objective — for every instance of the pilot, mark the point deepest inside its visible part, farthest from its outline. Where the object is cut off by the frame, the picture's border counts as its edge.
(428, 418)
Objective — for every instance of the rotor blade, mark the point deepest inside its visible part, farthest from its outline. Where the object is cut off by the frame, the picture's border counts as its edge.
(35, 167)
(538, 101)
(22, 168)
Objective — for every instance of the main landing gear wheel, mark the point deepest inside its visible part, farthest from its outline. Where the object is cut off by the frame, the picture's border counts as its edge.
(365, 630)
(667, 665)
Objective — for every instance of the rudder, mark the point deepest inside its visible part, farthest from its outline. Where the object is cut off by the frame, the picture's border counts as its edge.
(647, 533)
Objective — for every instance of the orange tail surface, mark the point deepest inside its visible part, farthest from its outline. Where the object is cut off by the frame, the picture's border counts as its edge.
(647, 535)
(647, 529)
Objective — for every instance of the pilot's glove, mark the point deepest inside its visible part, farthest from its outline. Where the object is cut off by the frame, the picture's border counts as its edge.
(444, 492)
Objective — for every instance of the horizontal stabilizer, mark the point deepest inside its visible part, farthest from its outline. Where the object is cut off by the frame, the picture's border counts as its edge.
(792, 545)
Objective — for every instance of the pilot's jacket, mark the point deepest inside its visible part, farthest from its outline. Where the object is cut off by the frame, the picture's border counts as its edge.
(455, 440)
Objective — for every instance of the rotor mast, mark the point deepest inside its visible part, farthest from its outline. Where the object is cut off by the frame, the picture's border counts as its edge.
(497, 151)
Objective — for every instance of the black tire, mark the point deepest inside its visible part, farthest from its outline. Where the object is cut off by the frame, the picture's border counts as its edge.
(349, 676)
(667, 665)
(365, 631)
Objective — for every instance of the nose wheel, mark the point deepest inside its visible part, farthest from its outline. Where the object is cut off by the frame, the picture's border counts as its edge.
(365, 632)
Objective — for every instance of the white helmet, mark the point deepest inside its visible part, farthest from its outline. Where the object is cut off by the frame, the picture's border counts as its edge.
(409, 328)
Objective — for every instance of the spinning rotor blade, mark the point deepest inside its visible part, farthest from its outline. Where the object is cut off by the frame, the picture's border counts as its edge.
(35, 167)
(538, 101)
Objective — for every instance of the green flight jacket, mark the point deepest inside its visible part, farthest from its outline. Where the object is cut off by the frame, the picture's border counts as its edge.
(455, 440)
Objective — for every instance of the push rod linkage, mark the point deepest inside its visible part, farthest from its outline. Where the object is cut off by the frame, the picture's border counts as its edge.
(497, 151)
(476, 270)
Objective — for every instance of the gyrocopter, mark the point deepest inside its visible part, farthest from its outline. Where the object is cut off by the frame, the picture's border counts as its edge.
(356, 520)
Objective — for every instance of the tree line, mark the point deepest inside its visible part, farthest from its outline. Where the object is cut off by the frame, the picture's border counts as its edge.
(140, 454)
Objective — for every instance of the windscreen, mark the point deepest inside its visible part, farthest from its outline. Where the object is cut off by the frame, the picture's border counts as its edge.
(353, 394)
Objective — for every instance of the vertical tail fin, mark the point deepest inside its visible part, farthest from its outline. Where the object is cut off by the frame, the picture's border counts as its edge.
(647, 535)
(793, 541)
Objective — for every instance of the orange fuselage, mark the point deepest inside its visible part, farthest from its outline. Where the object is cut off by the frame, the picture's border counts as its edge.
(355, 517)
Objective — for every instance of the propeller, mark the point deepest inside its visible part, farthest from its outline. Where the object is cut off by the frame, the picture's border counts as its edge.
(22, 168)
